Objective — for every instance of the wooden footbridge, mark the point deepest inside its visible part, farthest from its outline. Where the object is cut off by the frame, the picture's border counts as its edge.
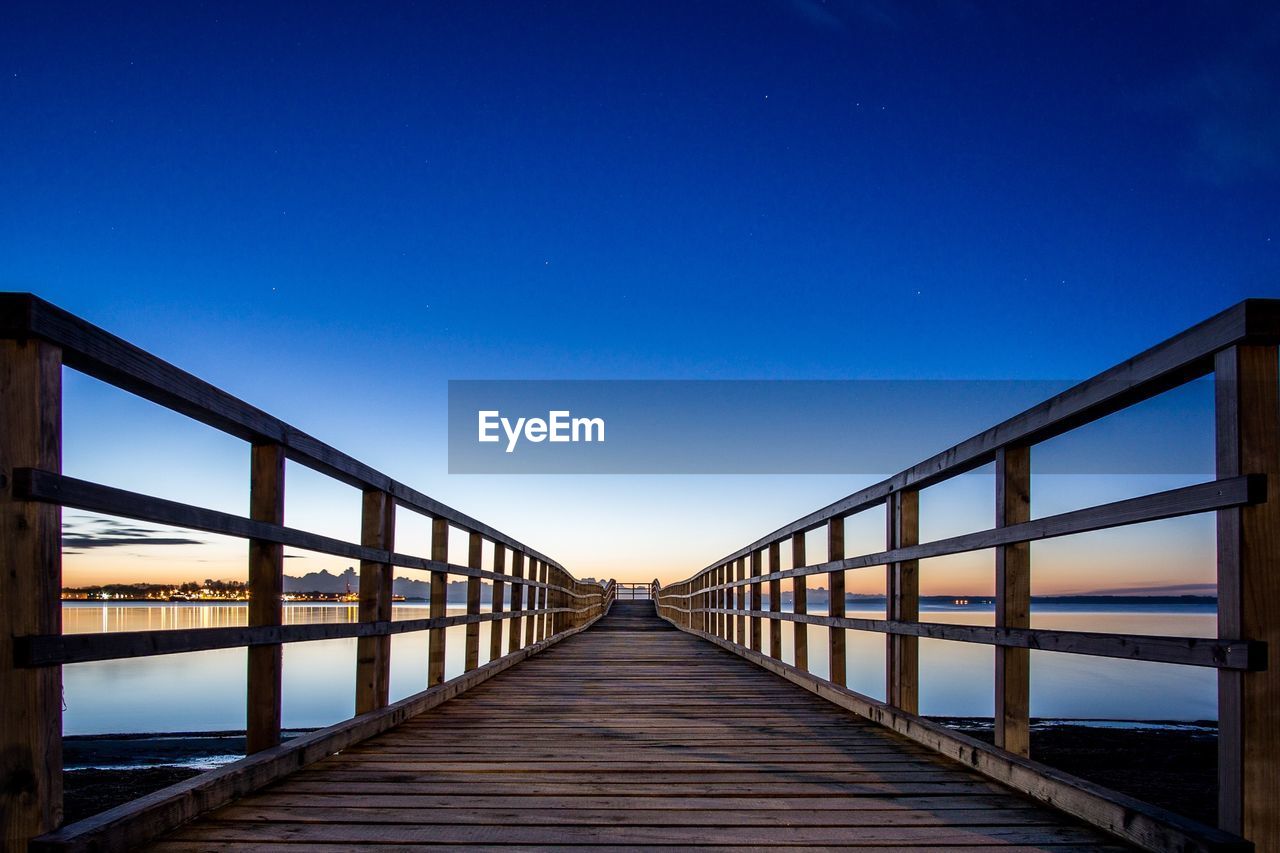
(637, 715)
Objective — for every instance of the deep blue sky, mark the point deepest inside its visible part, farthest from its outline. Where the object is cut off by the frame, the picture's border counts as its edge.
(332, 209)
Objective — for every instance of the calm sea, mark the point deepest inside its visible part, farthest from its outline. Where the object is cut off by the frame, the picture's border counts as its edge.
(204, 691)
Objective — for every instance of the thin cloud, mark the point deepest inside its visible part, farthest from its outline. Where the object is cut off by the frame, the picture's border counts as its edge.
(83, 534)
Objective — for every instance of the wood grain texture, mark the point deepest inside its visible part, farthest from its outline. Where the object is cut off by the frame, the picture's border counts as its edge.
(266, 588)
(1122, 816)
(902, 602)
(755, 601)
(775, 603)
(514, 633)
(373, 653)
(1013, 602)
(471, 651)
(438, 602)
(633, 733)
(836, 603)
(1248, 442)
(31, 562)
(499, 605)
(799, 603)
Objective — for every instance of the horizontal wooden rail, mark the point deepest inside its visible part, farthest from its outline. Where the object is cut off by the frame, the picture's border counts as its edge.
(1184, 357)
(35, 485)
(1174, 503)
(1239, 348)
(36, 341)
(1140, 823)
(98, 353)
(57, 649)
(1189, 651)
(130, 825)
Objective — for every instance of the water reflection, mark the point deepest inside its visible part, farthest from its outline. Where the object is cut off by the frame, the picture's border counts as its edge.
(204, 691)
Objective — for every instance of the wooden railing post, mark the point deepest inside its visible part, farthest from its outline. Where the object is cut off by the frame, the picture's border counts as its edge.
(1013, 602)
(902, 601)
(266, 587)
(439, 606)
(498, 605)
(475, 546)
(800, 601)
(544, 600)
(517, 601)
(740, 604)
(835, 603)
(534, 597)
(373, 654)
(31, 555)
(756, 601)
(1248, 442)
(775, 602)
(722, 602)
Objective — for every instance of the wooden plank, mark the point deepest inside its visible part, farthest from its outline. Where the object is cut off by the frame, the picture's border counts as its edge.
(31, 555)
(1138, 823)
(499, 592)
(373, 653)
(1013, 602)
(835, 596)
(515, 634)
(438, 602)
(127, 826)
(1248, 442)
(902, 602)
(775, 603)
(626, 744)
(800, 603)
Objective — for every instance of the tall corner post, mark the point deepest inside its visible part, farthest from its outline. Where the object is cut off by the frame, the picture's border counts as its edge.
(31, 551)
(1248, 442)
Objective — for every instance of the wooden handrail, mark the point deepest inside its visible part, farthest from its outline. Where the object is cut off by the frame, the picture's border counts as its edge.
(36, 341)
(1237, 346)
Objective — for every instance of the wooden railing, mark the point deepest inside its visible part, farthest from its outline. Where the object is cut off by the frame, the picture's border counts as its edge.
(36, 341)
(724, 602)
(635, 591)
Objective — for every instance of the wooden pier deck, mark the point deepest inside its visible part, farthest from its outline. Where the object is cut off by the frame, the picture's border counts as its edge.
(633, 733)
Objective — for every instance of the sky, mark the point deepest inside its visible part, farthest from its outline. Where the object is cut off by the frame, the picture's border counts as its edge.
(331, 210)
